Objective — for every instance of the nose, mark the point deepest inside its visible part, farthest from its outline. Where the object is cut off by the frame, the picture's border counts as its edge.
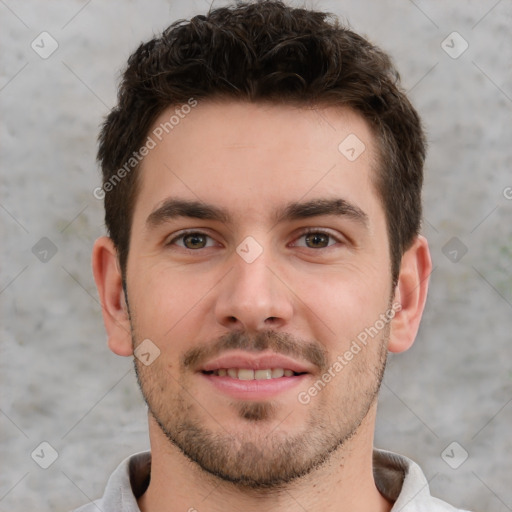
(253, 297)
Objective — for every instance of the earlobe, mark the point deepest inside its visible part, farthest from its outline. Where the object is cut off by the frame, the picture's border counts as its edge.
(109, 282)
(411, 293)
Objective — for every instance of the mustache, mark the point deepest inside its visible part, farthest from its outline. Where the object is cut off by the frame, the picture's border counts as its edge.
(278, 342)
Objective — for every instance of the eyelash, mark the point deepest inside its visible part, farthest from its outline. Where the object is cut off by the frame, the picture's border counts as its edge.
(306, 232)
(313, 231)
(183, 234)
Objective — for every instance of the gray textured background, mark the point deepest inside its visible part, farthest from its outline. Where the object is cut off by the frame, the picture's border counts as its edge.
(59, 382)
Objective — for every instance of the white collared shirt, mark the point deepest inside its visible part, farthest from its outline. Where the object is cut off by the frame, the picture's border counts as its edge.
(397, 478)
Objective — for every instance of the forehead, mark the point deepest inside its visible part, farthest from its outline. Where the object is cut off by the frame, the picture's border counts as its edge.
(251, 157)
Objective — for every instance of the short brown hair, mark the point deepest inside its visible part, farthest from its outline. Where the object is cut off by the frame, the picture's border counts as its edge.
(266, 51)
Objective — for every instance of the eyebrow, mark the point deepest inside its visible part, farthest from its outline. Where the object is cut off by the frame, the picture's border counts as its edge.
(173, 208)
(319, 207)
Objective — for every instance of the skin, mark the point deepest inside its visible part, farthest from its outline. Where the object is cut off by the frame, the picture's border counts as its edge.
(252, 161)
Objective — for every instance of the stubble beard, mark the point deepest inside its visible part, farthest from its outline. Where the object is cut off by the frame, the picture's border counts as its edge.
(263, 457)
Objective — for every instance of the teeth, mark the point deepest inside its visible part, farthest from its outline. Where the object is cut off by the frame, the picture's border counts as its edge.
(248, 374)
(244, 374)
(261, 374)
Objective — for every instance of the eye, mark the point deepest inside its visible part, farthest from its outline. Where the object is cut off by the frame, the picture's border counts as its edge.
(193, 240)
(315, 240)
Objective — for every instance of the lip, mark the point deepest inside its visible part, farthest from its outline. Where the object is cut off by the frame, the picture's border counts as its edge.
(254, 389)
(259, 361)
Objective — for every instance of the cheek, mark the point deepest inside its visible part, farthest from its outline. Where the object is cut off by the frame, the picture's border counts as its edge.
(340, 305)
(161, 301)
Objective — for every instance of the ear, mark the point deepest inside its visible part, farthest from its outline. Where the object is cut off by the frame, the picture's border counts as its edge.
(109, 282)
(411, 294)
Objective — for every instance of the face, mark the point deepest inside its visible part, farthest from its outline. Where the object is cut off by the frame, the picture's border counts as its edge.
(259, 260)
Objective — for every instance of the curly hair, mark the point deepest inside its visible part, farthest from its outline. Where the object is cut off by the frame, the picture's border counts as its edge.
(266, 51)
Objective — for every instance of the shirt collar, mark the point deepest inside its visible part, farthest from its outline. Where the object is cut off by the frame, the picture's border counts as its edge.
(397, 478)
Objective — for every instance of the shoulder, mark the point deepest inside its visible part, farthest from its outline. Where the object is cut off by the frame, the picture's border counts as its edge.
(125, 485)
(403, 482)
(93, 506)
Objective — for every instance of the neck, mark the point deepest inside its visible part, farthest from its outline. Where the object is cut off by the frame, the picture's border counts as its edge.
(344, 482)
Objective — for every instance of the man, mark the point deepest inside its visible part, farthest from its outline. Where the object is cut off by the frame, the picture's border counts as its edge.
(262, 178)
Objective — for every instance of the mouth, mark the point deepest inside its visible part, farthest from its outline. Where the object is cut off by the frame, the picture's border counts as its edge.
(250, 374)
(248, 377)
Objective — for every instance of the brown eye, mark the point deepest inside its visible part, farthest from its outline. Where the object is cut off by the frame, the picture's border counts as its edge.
(195, 241)
(317, 240)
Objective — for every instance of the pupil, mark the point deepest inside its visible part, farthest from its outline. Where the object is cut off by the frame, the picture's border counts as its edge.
(317, 240)
(195, 241)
